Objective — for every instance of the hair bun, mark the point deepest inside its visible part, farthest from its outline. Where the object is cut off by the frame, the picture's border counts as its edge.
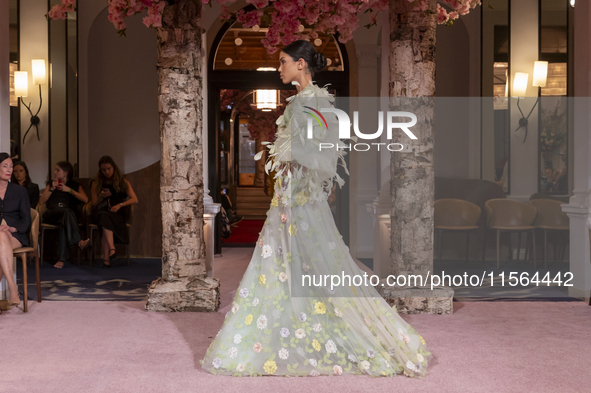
(319, 62)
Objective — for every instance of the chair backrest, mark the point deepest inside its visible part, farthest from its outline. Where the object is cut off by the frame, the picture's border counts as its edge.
(543, 195)
(456, 213)
(509, 213)
(472, 190)
(34, 231)
(40, 209)
(550, 213)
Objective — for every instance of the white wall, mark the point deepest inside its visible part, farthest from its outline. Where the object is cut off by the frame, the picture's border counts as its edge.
(123, 119)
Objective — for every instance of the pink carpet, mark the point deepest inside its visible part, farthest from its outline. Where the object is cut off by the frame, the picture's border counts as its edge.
(118, 347)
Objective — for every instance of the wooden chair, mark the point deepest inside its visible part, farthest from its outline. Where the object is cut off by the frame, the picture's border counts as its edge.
(457, 215)
(506, 215)
(24, 252)
(551, 218)
(93, 227)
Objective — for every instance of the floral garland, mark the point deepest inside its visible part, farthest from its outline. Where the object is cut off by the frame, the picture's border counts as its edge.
(285, 18)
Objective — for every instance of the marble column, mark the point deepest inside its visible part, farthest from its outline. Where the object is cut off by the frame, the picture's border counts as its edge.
(579, 207)
(364, 164)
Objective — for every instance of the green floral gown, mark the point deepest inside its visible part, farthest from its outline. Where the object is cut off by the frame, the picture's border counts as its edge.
(279, 326)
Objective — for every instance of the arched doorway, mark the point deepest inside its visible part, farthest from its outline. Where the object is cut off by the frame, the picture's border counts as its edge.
(239, 63)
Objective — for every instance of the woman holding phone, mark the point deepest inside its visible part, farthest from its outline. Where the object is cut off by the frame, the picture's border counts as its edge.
(62, 196)
(112, 196)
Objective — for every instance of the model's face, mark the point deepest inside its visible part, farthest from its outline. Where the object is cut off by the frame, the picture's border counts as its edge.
(6, 169)
(19, 173)
(289, 70)
(107, 170)
(60, 174)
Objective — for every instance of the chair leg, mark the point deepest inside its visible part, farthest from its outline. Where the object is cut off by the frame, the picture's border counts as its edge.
(38, 277)
(25, 283)
(91, 246)
(127, 247)
(527, 247)
(484, 247)
(467, 244)
(477, 245)
(42, 244)
(439, 244)
(534, 252)
(518, 245)
(498, 246)
(546, 247)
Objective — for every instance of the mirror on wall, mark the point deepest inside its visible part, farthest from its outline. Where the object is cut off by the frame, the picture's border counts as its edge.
(495, 138)
(63, 93)
(553, 136)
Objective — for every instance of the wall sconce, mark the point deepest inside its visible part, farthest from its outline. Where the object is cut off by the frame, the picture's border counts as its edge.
(266, 100)
(21, 86)
(520, 88)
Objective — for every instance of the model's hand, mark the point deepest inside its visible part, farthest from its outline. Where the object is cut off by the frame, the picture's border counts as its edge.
(54, 184)
(4, 228)
(105, 193)
(64, 188)
(116, 208)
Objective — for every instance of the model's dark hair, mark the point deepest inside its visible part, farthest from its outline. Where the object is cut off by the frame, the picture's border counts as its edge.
(301, 49)
(27, 177)
(117, 180)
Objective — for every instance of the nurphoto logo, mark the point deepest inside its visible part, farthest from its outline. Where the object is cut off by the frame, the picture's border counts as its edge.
(345, 128)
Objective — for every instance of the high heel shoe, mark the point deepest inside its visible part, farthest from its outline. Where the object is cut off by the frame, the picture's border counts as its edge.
(85, 245)
(106, 264)
(113, 255)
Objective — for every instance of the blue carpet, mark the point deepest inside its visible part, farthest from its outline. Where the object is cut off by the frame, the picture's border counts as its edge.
(73, 282)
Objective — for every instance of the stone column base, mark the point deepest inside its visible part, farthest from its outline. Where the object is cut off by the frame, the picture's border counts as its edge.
(419, 300)
(198, 293)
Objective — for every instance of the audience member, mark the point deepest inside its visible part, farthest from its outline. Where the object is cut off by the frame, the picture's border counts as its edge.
(20, 176)
(112, 196)
(15, 214)
(62, 196)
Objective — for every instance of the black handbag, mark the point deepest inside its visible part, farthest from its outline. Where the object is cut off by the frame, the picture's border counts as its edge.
(104, 205)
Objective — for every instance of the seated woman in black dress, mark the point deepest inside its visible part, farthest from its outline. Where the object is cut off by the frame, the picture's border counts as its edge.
(20, 176)
(15, 214)
(111, 197)
(62, 196)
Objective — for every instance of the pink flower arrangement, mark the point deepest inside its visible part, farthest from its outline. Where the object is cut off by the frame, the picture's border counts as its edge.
(286, 16)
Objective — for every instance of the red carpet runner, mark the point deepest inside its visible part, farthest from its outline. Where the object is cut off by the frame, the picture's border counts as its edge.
(245, 234)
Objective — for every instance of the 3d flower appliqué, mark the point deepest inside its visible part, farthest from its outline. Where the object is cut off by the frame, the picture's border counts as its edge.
(262, 322)
(267, 251)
